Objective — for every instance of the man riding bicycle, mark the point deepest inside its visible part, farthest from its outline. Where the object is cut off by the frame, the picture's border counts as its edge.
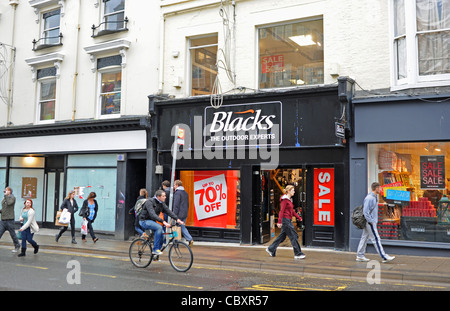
(149, 218)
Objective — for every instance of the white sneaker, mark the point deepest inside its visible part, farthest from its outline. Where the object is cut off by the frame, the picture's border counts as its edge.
(362, 258)
(269, 252)
(157, 253)
(15, 250)
(388, 258)
(301, 256)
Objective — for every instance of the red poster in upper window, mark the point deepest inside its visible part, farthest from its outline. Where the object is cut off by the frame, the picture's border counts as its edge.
(273, 63)
(324, 196)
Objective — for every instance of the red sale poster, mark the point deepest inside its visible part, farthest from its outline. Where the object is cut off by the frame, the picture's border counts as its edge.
(324, 196)
(212, 198)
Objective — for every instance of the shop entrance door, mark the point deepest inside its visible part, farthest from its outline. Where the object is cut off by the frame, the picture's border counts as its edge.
(272, 184)
(54, 196)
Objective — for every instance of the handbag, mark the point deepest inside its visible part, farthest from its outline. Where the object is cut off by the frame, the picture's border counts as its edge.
(65, 217)
(19, 235)
(57, 223)
(84, 224)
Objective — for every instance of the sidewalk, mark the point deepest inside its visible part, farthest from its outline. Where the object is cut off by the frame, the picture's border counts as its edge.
(234, 256)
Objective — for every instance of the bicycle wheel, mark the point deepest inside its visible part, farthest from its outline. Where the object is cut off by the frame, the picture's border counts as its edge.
(180, 256)
(141, 253)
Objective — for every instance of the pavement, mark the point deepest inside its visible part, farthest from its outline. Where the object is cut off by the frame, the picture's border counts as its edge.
(324, 262)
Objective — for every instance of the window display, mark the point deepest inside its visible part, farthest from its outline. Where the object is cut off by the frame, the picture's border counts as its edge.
(214, 198)
(415, 177)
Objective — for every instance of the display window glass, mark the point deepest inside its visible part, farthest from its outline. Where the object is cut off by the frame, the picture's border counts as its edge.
(214, 198)
(414, 178)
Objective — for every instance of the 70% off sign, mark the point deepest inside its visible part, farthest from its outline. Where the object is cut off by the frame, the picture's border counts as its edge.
(210, 197)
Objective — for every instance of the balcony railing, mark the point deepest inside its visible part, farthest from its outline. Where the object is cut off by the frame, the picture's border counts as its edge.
(47, 42)
(106, 30)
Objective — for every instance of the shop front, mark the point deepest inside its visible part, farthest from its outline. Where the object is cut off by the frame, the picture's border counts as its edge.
(46, 162)
(235, 160)
(404, 144)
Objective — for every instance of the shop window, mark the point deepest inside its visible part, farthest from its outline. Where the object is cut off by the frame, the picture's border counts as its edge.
(214, 198)
(2, 173)
(95, 173)
(110, 91)
(421, 41)
(203, 52)
(291, 54)
(415, 180)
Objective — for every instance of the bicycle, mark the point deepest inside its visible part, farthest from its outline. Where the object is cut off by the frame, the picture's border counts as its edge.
(180, 254)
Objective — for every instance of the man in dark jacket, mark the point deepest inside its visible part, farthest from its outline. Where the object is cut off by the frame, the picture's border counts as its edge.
(181, 208)
(7, 222)
(150, 218)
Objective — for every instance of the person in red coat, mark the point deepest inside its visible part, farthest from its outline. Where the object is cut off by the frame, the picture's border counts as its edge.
(285, 223)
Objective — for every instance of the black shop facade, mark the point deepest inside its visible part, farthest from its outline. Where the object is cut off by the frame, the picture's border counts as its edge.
(234, 161)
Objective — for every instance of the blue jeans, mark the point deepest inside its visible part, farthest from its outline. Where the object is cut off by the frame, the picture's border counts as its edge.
(28, 236)
(287, 230)
(157, 230)
(185, 231)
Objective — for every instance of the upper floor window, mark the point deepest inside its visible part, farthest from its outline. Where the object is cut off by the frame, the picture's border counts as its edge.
(110, 77)
(47, 94)
(421, 41)
(203, 53)
(114, 14)
(291, 54)
(50, 27)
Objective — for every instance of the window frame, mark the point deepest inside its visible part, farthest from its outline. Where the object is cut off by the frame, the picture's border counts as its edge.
(105, 16)
(190, 50)
(40, 101)
(413, 78)
(100, 72)
(44, 31)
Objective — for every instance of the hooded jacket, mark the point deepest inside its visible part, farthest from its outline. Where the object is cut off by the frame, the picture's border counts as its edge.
(287, 209)
(181, 203)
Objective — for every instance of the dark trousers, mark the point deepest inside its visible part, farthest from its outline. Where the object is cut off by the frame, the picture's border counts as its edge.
(288, 230)
(9, 225)
(28, 236)
(90, 229)
(72, 227)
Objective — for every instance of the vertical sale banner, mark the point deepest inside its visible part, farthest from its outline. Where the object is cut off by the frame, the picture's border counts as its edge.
(324, 196)
(210, 197)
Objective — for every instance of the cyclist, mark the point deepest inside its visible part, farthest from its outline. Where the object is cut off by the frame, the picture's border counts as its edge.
(152, 219)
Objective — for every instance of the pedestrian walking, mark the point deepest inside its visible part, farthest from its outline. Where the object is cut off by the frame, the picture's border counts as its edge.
(150, 219)
(285, 223)
(71, 205)
(166, 187)
(7, 220)
(181, 208)
(89, 211)
(143, 196)
(29, 228)
(370, 210)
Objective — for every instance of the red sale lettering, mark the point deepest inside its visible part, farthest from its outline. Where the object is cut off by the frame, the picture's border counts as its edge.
(324, 196)
(210, 197)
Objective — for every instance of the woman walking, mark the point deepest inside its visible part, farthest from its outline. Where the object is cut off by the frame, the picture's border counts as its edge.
(89, 212)
(71, 204)
(285, 223)
(28, 228)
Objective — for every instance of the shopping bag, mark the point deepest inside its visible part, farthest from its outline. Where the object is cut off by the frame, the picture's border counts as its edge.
(19, 235)
(177, 231)
(84, 225)
(58, 216)
(65, 216)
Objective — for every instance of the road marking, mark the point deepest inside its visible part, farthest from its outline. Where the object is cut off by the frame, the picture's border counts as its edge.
(181, 285)
(289, 288)
(103, 275)
(34, 267)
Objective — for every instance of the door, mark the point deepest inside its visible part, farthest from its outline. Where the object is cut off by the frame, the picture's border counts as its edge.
(54, 180)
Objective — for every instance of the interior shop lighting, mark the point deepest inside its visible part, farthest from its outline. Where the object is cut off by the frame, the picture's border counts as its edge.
(437, 148)
(303, 40)
(428, 147)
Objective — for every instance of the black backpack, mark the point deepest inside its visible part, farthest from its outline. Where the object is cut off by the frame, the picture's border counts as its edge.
(138, 207)
(358, 218)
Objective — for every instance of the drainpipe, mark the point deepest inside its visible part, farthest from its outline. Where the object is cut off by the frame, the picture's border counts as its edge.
(14, 4)
(161, 55)
(75, 76)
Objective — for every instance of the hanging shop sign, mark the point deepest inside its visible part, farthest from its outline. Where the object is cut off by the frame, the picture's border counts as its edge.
(255, 124)
(432, 172)
(324, 196)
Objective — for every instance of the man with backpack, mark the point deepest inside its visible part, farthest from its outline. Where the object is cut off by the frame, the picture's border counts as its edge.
(370, 231)
(150, 218)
